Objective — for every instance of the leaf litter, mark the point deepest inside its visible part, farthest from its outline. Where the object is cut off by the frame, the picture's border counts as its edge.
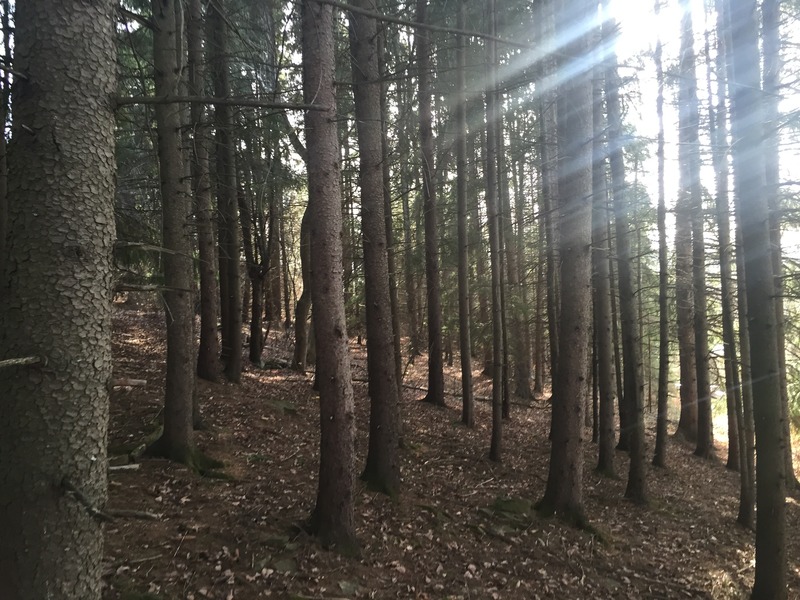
(463, 527)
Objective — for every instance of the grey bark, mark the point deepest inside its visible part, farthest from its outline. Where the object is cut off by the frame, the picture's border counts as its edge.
(687, 197)
(604, 353)
(773, 66)
(493, 218)
(333, 518)
(382, 470)
(752, 210)
(228, 224)
(432, 276)
(564, 490)
(690, 197)
(633, 384)
(55, 301)
(208, 365)
(662, 418)
(176, 442)
(467, 399)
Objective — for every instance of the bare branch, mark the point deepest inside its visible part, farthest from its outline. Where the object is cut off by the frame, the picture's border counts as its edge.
(20, 362)
(246, 102)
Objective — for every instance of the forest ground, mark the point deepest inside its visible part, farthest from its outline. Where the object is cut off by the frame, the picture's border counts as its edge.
(462, 528)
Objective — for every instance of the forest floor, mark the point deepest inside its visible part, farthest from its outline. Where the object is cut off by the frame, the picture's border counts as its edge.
(462, 528)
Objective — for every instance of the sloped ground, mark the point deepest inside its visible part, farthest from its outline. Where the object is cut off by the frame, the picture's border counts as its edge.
(463, 527)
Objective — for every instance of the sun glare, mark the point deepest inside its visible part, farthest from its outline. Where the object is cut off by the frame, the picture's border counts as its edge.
(640, 28)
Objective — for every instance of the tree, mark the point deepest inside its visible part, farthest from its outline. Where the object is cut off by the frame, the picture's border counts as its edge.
(633, 385)
(208, 365)
(548, 146)
(660, 454)
(332, 519)
(773, 64)
(690, 198)
(55, 302)
(718, 132)
(382, 471)
(601, 288)
(176, 441)
(303, 308)
(227, 213)
(564, 490)
(432, 277)
(468, 402)
(493, 218)
(684, 296)
(752, 210)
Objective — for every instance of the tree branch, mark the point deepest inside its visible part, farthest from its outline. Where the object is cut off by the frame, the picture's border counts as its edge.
(20, 362)
(246, 102)
(427, 27)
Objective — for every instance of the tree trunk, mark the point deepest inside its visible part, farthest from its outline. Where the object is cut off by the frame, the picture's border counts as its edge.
(255, 276)
(493, 218)
(691, 200)
(662, 419)
(303, 309)
(687, 198)
(604, 354)
(548, 149)
(391, 248)
(176, 442)
(752, 210)
(633, 385)
(435, 367)
(773, 65)
(382, 470)
(409, 276)
(564, 490)
(55, 302)
(208, 365)
(228, 225)
(333, 518)
(5, 99)
(467, 400)
(718, 132)
(747, 492)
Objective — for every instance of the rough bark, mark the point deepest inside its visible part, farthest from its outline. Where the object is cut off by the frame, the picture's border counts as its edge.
(391, 247)
(662, 418)
(254, 307)
(208, 365)
(227, 213)
(564, 490)
(603, 351)
(333, 518)
(718, 132)
(303, 308)
(382, 470)
(5, 98)
(548, 148)
(467, 399)
(55, 301)
(752, 210)
(432, 276)
(522, 327)
(773, 65)
(176, 441)
(633, 385)
(691, 199)
(493, 218)
(684, 290)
